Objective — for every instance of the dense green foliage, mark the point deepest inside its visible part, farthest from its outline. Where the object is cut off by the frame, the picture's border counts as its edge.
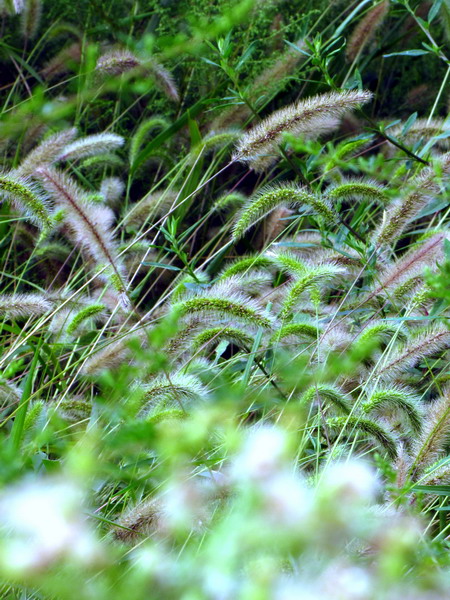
(224, 265)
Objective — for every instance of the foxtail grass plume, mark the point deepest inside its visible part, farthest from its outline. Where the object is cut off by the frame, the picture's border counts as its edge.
(47, 152)
(427, 343)
(141, 133)
(62, 62)
(270, 81)
(288, 262)
(112, 189)
(271, 197)
(92, 145)
(150, 206)
(400, 213)
(111, 355)
(327, 394)
(273, 77)
(365, 30)
(340, 155)
(221, 300)
(423, 129)
(89, 223)
(74, 409)
(213, 335)
(117, 62)
(384, 401)
(245, 264)
(27, 198)
(214, 140)
(229, 201)
(377, 333)
(174, 388)
(295, 331)
(24, 305)
(313, 277)
(163, 79)
(254, 283)
(409, 267)
(138, 522)
(376, 429)
(430, 446)
(357, 189)
(31, 18)
(95, 311)
(307, 118)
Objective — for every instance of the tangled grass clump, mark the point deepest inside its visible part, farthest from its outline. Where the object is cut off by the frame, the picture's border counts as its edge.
(224, 305)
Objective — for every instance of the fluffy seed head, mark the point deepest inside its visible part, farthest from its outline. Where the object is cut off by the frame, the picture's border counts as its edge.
(138, 521)
(315, 276)
(229, 200)
(163, 79)
(30, 18)
(228, 304)
(370, 427)
(410, 266)
(27, 198)
(385, 400)
(400, 213)
(328, 395)
(24, 305)
(47, 152)
(214, 335)
(92, 145)
(308, 118)
(357, 189)
(89, 223)
(295, 331)
(245, 264)
(425, 344)
(423, 129)
(365, 30)
(142, 132)
(112, 189)
(271, 197)
(435, 435)
(173, 389)
(116, 62)
(92, 310)
(151, 206)
(61, 63)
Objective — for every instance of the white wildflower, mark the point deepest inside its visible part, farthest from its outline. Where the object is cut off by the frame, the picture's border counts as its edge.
(262, 455)
(44, 523)
(352, 481)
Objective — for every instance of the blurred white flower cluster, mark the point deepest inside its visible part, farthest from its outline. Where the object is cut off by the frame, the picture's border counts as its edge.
(42, 522)
(256, 529)
(278, 536)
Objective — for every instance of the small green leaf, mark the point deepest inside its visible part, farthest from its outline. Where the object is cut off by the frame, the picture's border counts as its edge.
(434, 10)
(245, 56)
(437, 490)
(434, 206)
(407, 53)
(19, 421)
(151, 263)
(447, 249)
(396, 122)
(422, 22)
(409, 123)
